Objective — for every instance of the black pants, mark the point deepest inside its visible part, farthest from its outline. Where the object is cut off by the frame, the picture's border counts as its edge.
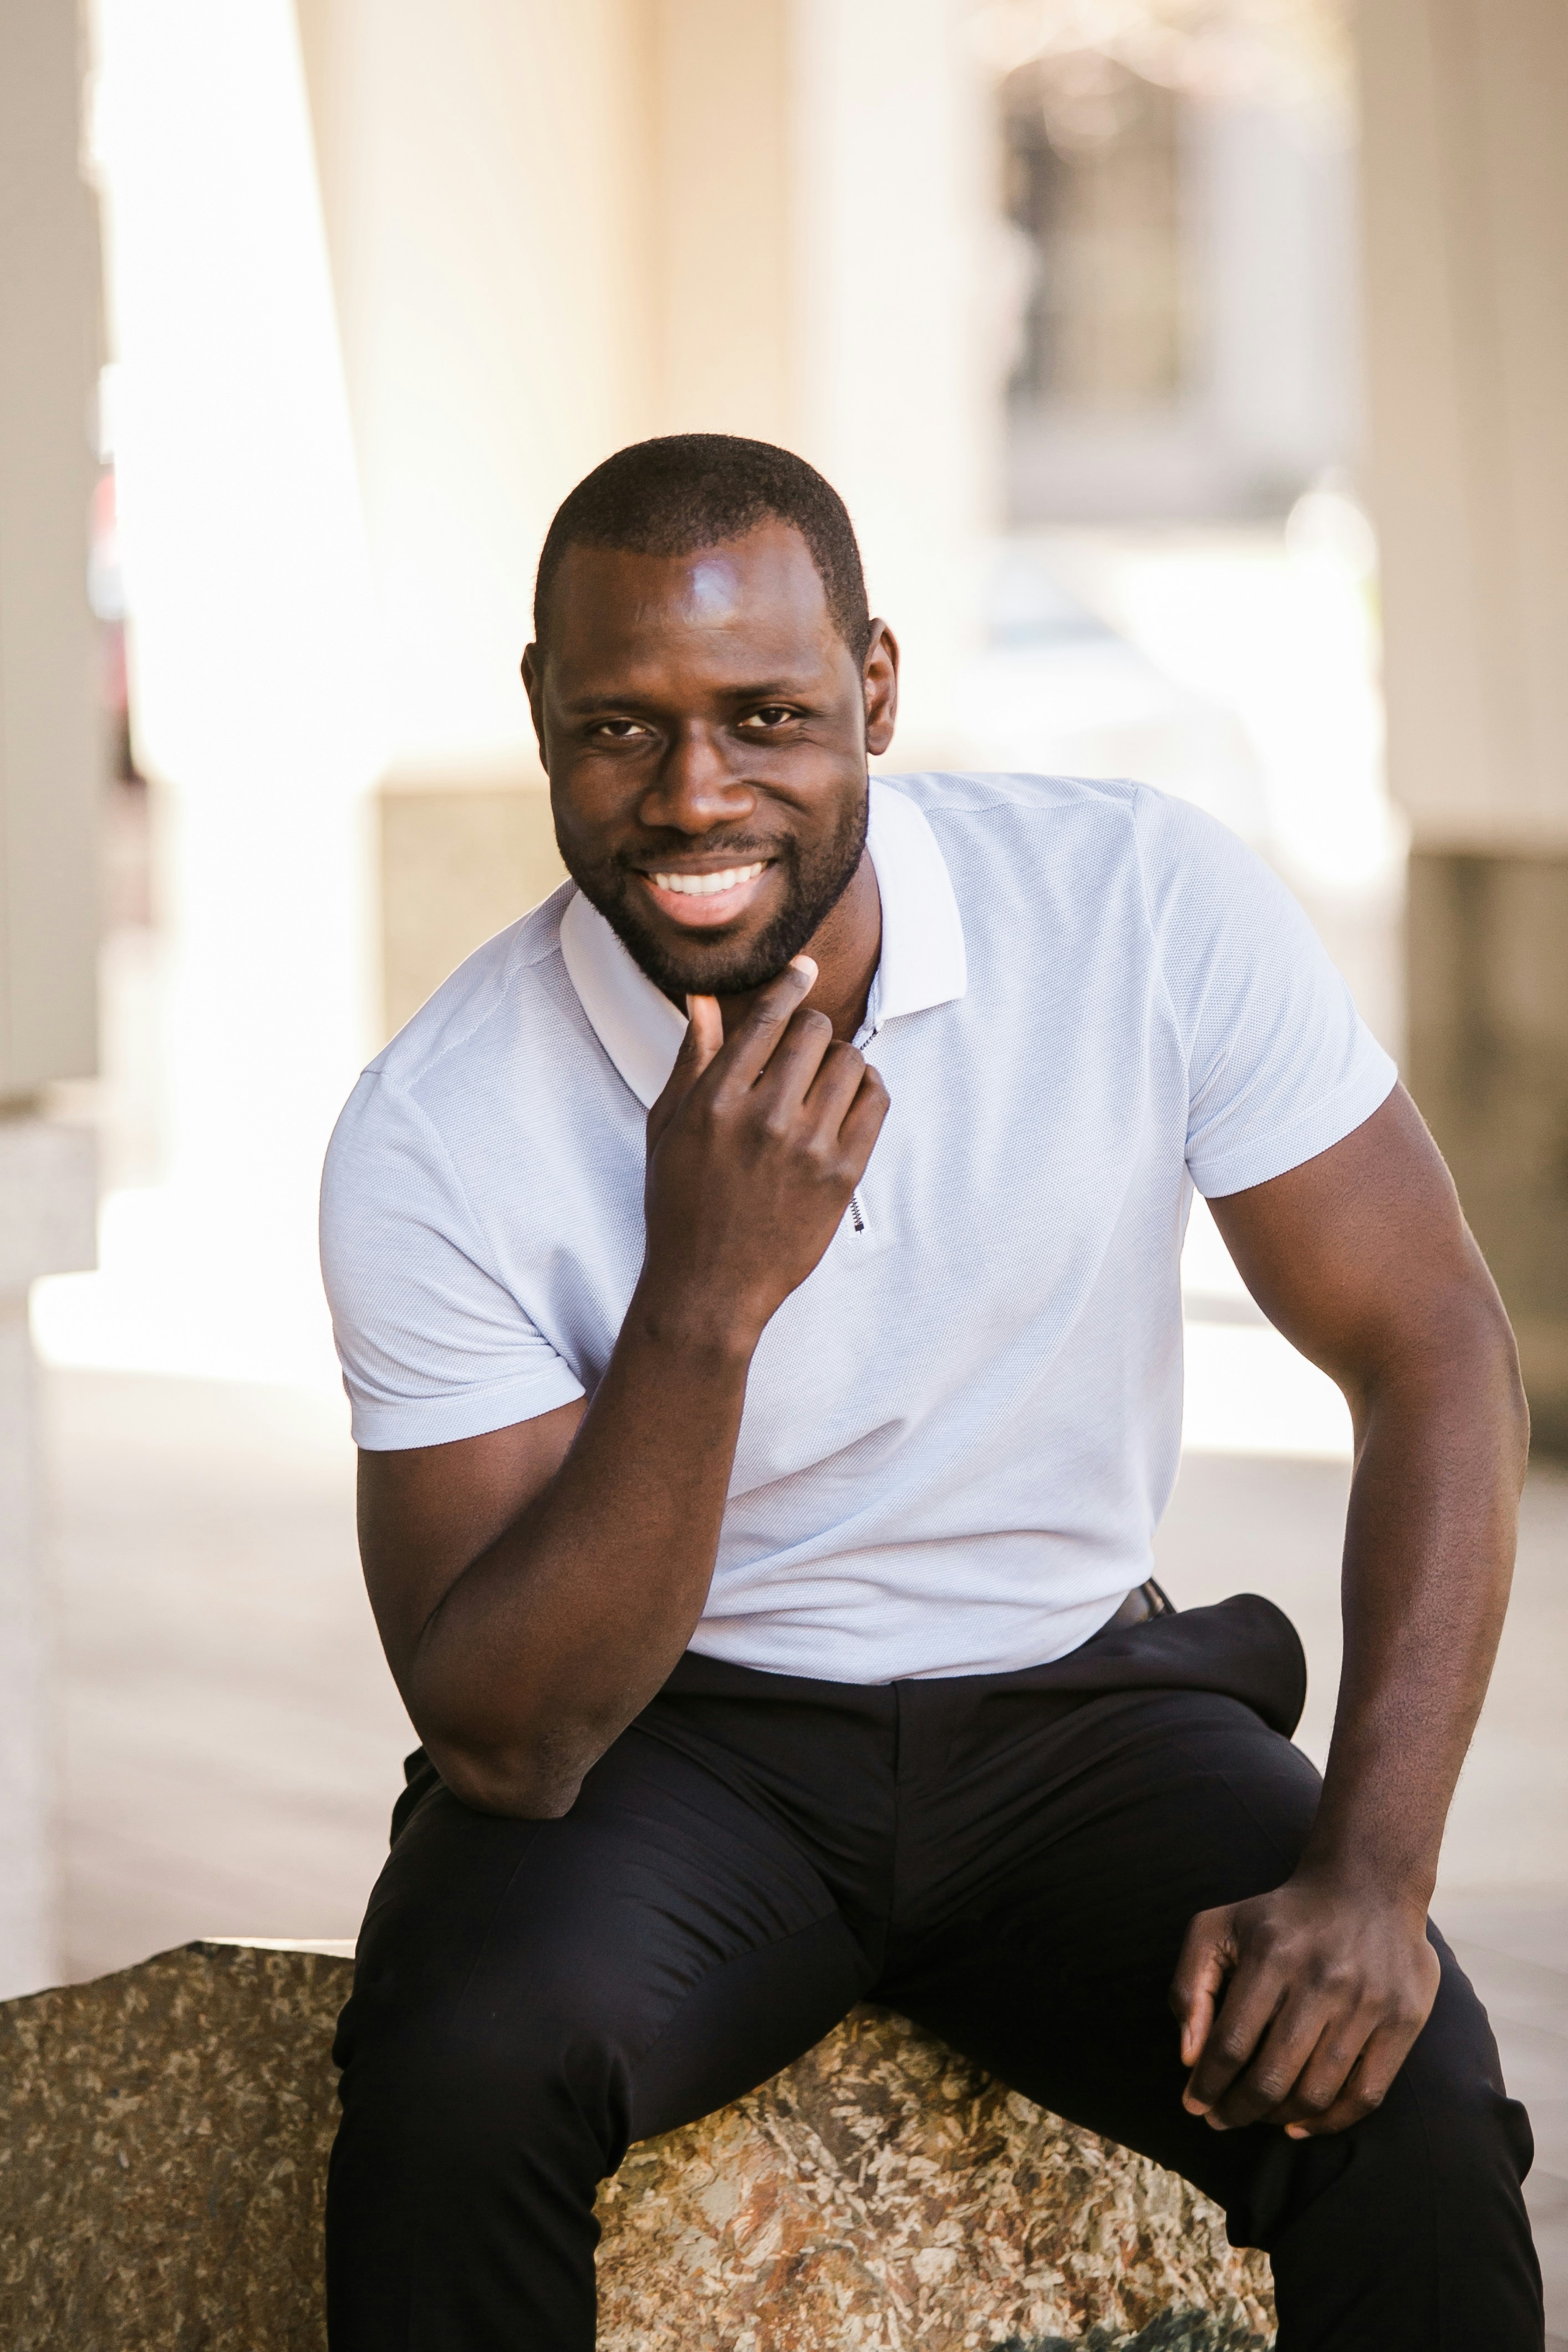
(1010, 1860)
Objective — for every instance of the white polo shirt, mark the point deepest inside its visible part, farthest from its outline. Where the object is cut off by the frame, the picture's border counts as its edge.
(961, 1431)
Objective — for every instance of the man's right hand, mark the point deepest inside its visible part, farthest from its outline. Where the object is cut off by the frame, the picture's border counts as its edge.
(535, 1585)
(754, 1149)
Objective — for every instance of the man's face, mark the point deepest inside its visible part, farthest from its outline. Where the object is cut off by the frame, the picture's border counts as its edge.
(705, 730)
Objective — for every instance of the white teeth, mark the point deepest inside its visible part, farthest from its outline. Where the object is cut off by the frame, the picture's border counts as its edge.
(706, 886)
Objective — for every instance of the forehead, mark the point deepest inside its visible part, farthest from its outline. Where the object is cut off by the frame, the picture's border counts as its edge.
(753, 607)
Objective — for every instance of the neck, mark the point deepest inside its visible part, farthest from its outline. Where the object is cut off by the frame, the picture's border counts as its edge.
(846, 947)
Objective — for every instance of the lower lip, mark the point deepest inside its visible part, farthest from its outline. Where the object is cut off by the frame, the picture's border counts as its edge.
(711, 910)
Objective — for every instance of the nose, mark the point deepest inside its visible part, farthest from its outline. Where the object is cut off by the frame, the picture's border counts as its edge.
(696, 787)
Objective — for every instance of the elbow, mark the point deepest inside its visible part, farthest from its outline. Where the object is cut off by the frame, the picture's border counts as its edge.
(1517, 1407)
(1494, 1351)
(515, 1785)
(1451, 1368)
(1474, 1358)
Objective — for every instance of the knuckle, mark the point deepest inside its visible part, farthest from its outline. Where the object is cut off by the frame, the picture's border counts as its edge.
(1232, 2044)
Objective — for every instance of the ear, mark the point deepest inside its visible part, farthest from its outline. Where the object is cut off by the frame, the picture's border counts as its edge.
(533, 686)
(881, 686)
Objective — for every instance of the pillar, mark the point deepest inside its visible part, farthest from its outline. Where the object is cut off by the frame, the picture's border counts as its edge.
(49, 775)
(1465, 210)
(254, 664)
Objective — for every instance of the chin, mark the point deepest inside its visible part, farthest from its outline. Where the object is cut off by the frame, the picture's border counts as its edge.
(716, 966)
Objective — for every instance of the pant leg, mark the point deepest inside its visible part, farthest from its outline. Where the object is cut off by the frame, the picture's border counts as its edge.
(1098, 1832)
(529, 1997)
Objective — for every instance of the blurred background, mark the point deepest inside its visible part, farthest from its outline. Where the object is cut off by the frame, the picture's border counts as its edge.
(1196, 374)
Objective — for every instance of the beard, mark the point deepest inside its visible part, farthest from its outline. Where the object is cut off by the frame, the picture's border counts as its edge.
(815, 880)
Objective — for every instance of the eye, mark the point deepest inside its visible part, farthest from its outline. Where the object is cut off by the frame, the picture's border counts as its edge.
(769, 718)
(619, 731)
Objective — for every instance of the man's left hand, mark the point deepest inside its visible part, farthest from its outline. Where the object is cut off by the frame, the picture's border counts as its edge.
(1300, 2007)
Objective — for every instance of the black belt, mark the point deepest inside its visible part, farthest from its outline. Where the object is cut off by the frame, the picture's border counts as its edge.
(1144, 1600)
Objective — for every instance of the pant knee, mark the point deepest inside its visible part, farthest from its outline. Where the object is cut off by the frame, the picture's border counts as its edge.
(461, 2073)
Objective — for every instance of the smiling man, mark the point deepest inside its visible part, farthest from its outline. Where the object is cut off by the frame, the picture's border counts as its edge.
(756, 1278)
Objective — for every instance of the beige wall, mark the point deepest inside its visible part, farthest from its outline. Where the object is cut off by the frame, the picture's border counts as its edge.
(50, 763)
(555, 230)
(457, 865)
(1466, 203)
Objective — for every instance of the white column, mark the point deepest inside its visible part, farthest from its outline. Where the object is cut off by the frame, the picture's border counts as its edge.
(47, 1214)
(896, 304)
(1465, 204)
(483, 166)
(254, 664)
(50, 782)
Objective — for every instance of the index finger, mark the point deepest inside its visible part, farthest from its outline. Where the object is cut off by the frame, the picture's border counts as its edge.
(1251, 2000)
(746, 1055)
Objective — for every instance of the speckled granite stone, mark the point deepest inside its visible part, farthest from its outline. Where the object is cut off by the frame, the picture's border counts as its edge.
(163, 2136)
(882, 2194)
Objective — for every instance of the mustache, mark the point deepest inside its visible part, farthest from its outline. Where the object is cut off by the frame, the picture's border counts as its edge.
(739, 847)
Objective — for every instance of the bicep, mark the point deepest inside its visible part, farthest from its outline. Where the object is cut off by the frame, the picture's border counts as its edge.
(426, 1512)
(1361, 1251)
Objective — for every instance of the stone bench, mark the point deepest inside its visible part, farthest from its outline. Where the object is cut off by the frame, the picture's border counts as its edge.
(163, 2138)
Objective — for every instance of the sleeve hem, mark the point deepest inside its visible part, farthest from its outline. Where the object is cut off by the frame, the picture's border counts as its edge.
(439, 1421)
(1312, 1131)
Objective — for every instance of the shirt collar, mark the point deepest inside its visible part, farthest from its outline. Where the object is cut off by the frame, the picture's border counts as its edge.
(922, 961)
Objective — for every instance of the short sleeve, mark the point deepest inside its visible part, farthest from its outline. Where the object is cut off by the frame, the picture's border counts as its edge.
(432, 1345)
(1280, 1064)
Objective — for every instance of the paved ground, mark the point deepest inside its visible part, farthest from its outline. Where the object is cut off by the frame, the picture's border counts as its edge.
(231, 1741)
(1274, 1527)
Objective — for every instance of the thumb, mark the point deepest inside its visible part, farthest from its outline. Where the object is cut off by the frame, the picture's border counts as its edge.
(1208, 1957)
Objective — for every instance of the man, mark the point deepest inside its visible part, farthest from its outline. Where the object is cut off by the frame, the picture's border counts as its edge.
(756, 1277)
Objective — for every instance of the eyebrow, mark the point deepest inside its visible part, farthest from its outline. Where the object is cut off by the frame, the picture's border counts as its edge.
(594, 706)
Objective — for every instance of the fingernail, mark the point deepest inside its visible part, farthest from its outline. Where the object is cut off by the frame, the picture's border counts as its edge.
(1296, 2131)
(804, 963)
(1195, 2107)
(1214, 2124)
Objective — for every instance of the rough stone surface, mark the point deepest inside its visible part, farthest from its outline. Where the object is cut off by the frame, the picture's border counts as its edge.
(163, 2136)
(883, 2194)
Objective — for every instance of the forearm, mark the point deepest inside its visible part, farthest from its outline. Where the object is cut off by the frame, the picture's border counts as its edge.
(548, 1643)
(1429, 1546)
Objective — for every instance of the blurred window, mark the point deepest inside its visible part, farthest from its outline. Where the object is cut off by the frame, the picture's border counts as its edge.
(1092, 180)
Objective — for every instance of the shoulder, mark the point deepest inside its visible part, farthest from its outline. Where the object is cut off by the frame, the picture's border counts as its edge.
(447, 1074)
(1090, 831)
(944, 794)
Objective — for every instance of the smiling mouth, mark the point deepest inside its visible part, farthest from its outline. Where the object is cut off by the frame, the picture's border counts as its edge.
(708, 886)
(706, 901)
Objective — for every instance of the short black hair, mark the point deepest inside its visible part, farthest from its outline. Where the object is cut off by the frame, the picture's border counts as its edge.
(689, 490)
